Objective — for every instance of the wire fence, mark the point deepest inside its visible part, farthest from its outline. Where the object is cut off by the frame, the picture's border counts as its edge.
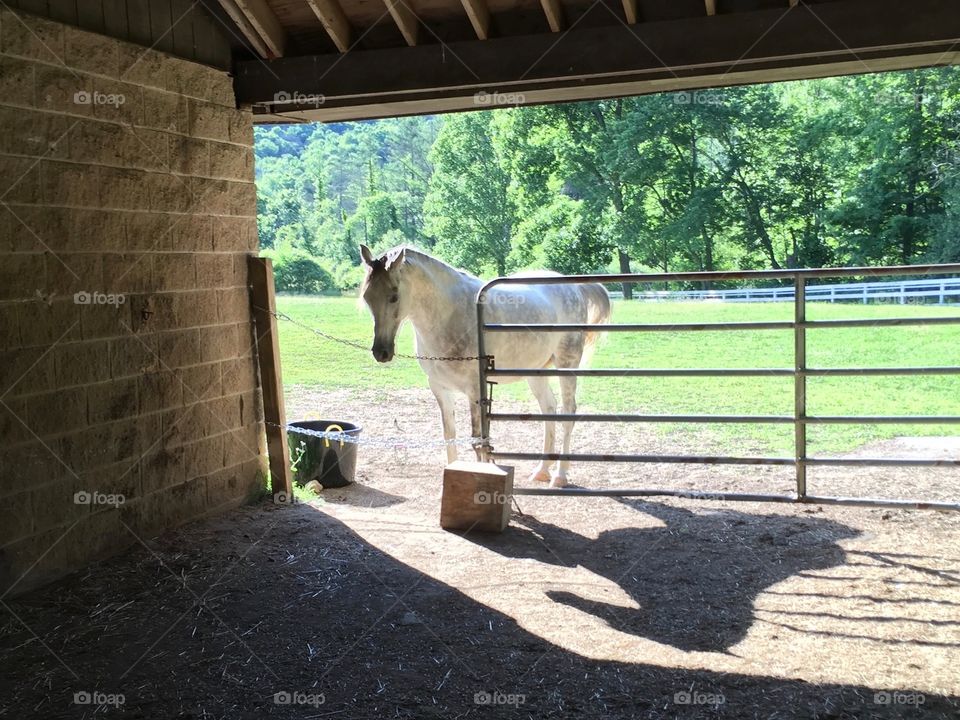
(358, 346)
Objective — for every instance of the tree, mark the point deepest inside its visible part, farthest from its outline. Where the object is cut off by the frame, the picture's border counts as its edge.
(468, 208)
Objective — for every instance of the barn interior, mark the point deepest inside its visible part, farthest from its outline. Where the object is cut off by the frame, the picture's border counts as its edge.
(142, 569)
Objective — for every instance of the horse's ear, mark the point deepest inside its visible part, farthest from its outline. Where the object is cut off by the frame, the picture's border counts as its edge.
(396, 257)
(366, 255)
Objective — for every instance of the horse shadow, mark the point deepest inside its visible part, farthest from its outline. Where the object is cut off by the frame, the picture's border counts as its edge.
(694, 579)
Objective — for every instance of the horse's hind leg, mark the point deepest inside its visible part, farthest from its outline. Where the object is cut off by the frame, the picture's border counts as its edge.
(548, 405)
(568, 357)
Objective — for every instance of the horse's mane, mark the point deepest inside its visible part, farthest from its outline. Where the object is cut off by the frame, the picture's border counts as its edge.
(411, 254)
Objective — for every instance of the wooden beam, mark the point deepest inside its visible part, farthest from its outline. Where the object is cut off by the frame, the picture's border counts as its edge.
(405, 19)
(259, 14)
(554, 13)
(630, 11)
(425, 104)
(682, 54)
(479, 15)
(711, 6)
(248, 31)
(334, 21)
(263, 300)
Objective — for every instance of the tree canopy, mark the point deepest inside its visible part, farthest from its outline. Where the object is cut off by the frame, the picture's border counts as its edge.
(839, 171)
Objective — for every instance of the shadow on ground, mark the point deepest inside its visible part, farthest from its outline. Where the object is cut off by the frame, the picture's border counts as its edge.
(214, 621)
(695, 577)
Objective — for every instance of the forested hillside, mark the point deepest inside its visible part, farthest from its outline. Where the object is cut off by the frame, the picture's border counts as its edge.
(860, 170)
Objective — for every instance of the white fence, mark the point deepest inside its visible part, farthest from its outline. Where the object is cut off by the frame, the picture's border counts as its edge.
(936, 290)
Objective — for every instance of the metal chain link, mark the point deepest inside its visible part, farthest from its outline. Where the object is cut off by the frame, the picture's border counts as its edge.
(350, 343)
(395, 443)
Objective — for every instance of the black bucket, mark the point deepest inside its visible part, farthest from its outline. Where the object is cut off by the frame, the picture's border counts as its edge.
(328, 461)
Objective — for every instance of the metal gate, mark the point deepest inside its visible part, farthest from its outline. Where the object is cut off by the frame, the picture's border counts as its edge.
(799, 372)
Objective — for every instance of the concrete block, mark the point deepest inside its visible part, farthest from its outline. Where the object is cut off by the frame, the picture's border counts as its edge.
(17, 82)
(32, 37)
(90, 52)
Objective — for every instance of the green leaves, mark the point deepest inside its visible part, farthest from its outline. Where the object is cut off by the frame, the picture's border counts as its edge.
(854, 170)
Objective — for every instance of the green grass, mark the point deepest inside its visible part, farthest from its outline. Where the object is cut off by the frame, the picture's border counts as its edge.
(312, 361)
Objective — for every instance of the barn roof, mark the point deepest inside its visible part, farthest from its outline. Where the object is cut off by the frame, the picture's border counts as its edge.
(349, 59)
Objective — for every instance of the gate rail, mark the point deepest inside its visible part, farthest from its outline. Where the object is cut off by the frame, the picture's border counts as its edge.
(800, 372)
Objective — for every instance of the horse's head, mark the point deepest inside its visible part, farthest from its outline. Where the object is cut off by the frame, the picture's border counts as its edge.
(382, 293)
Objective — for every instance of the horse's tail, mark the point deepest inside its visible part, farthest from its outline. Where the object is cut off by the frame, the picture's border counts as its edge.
(598, 313)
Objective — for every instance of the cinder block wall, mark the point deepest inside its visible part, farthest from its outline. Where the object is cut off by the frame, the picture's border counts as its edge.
(127, 209)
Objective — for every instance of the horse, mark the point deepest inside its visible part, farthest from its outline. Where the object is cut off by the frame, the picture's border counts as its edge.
(440, 302)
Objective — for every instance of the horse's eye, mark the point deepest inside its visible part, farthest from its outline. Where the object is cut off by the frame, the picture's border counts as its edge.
(394, 298)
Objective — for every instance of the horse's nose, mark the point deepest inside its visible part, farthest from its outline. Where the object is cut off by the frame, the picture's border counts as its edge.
(382, 354)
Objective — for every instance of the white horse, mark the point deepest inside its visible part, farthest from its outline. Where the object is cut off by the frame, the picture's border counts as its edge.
(440, 302)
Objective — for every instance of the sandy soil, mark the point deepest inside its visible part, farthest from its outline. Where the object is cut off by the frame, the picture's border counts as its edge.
(586, 608)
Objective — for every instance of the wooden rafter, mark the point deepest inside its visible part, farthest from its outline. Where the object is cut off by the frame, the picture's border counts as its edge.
(711, 6)
(479, 15)
(554, 13)
(405, 19)
(258, 15)
(630, 10)
(249, 32)
(334, 21)
(696, 52)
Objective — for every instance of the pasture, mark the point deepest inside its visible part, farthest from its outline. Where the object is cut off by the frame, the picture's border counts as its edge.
(314, 364)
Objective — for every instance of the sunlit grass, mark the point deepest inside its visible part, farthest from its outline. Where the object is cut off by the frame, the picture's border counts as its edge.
(312, 361)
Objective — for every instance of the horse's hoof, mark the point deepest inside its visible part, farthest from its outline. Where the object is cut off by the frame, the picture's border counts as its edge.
(558, 481)
(540, 476)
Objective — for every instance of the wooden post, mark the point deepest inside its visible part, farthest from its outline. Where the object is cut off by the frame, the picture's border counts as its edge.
(268, 356)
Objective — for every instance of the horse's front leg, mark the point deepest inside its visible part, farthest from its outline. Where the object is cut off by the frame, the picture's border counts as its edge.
(475, 425)
(448, 419)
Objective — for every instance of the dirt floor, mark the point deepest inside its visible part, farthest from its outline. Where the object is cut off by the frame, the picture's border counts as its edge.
(357, 605)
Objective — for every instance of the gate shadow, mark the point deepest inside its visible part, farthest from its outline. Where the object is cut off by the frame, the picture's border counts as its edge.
(695, 578)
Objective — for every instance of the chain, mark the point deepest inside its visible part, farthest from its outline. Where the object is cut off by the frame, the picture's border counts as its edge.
(350, 343)
(396, 443)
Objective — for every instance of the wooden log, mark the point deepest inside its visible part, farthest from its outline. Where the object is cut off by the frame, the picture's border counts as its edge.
(476, 496)
(268, 356)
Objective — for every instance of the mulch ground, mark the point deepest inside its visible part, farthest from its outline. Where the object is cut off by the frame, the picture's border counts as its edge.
(358, 606)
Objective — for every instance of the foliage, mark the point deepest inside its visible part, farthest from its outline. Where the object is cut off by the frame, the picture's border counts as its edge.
(295, 271)
(840, 171)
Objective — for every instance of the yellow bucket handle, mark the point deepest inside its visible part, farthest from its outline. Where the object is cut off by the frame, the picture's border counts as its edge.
(326, 440)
